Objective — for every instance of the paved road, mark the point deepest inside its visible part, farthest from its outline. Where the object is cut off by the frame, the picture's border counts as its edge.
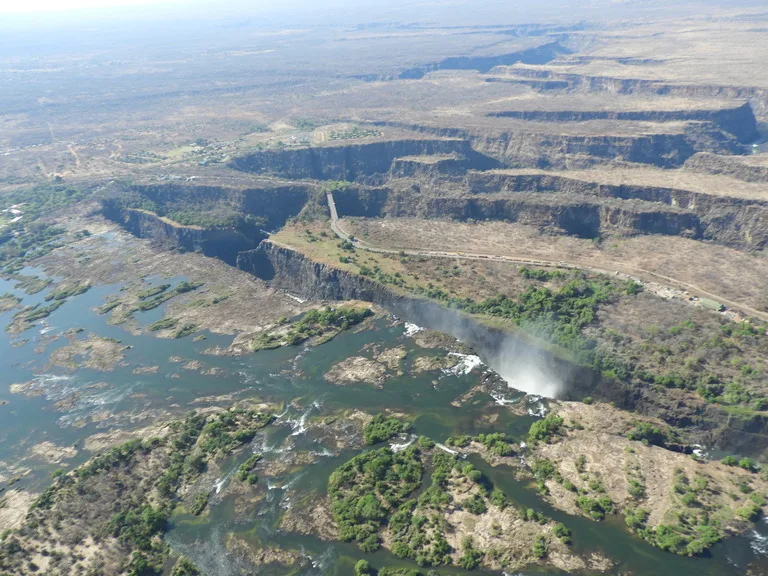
(638, 274)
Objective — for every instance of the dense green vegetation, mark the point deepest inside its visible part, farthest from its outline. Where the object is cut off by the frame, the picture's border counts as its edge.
(596, 508)
(164, 324)
(496, 442)
(37, 312)
(199, 503)
(543, 430)
(324, 324)
(246, 473)
(381, 488)
(185, 330)
(162, 297)
(381, 429)
(558, 315)
(68, 291)
(648, 434)
(152, 291)
(364, 489)
(540, 274)
(28, 238)
(184, 567)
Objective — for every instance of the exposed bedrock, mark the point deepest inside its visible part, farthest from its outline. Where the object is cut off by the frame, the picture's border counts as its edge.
(289, 270)
(354, 161)
(529, 148)
(575, 213)
(734, 222)
(573, 216)
(222, 243)
(536, 55)
(273, 203)
(734, 167)
(757, 97)
(738, 120)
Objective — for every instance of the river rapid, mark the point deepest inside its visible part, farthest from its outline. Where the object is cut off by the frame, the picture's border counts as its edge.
(159, 379)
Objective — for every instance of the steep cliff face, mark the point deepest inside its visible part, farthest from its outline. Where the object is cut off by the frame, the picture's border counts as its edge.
(738, 120)
(527, 148)
(289, 270)
(430, 167)
(224, 244)
(368, 202)
(272, 203)
(353, 161)
(757, 97)
(725, 220)
(735, 167)
(537, 55)
(575, 213)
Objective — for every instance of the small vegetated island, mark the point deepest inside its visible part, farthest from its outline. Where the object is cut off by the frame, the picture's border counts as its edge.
(583, 208)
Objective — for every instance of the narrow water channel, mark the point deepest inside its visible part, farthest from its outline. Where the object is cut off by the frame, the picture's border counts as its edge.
(292, 378)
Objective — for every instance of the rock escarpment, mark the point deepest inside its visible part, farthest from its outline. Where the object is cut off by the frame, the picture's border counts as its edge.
(537, 145)
(729, 166)
(757, 97)
(735, 222)
(222, 243)
(739, 120)
(354, 161)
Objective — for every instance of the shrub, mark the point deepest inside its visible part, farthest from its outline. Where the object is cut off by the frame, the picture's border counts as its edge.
(362, 568)
(730, 461)
(648, 434)
(471, 557)
(381, 429)
(544, 429)
(562, 532)
(475, 504)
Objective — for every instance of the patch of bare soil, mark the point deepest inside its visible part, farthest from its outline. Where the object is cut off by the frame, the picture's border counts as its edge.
(92, 352)
(597, 459)
(357, 370)
(8, 302)
(392, 358)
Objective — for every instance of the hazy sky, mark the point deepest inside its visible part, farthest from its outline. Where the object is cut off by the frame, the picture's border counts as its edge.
(22, 6)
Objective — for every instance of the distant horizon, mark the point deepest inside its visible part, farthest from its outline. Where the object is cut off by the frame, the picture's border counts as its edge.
(57, 6)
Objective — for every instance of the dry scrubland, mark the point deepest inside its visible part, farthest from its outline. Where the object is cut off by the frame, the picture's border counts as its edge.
(718, 270)
(618, 148)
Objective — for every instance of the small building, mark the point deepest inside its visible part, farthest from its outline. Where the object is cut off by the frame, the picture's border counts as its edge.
(712, 305)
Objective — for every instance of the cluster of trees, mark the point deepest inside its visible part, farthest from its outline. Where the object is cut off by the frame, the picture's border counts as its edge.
(381, 429)
(364, 489)
(325, 322)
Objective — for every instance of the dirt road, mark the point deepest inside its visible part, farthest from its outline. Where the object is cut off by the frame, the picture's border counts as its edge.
(637, 274)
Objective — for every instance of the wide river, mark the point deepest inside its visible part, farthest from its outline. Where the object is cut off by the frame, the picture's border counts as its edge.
(73, 404)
